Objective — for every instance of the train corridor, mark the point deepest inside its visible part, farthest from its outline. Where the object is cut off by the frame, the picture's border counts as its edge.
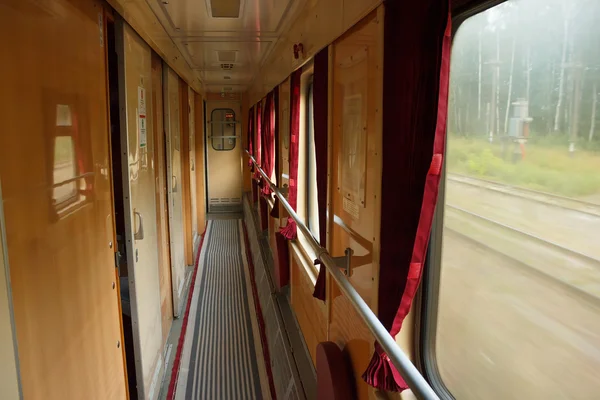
(220, 353)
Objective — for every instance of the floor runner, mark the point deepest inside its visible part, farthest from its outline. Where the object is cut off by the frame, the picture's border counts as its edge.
(221, 356)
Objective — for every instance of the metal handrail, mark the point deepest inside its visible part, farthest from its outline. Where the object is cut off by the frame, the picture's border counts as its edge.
(410, 373)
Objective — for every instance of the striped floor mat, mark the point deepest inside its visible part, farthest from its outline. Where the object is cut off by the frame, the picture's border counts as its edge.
(221, 356)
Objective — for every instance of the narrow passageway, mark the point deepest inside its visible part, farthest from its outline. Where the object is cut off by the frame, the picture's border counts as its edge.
(222, 357)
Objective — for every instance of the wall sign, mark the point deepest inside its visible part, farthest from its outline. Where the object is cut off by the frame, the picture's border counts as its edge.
(142, 116)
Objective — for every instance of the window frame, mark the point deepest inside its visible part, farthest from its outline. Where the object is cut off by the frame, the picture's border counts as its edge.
(310, 188)
(428, 293)
(302, 244)
(212, 128)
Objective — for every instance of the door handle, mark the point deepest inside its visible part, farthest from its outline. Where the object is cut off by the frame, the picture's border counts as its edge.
(174, 181)
(139, 235)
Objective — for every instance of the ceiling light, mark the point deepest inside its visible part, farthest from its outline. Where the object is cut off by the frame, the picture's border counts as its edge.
(225, 8)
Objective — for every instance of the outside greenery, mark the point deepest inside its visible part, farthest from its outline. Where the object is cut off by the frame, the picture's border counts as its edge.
(537, 60)
(547, 166)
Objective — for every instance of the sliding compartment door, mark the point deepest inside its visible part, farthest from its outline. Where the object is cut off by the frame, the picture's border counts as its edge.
(137, 144)
(56, 197)
(174, 183)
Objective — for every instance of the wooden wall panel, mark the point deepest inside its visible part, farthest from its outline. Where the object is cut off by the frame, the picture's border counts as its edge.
(246, 175)
(318, 24)
(172, 105)
(185, 173)
(356, 187)
(200, 163)
(162, 222)
(192, 167)
(63, 275)
(310, 312)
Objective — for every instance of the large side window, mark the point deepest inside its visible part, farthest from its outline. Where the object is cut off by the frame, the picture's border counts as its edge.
(513, 291)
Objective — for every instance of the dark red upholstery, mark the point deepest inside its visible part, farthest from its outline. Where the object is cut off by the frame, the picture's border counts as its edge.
(334, 375)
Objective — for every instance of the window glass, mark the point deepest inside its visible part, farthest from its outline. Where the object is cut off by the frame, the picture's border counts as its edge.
(311, 168)
(518, 308)
(222, 129)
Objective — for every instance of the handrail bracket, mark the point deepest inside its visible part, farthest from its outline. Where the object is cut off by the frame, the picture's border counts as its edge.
(345, 262)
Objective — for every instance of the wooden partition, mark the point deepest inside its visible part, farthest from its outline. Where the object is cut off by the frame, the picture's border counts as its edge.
(310, 312)
(162, 222)
(172, 125)
(185, 172)
(247, 179)
(200, 163)
(55, 171)
(192, 168)
(355, 189)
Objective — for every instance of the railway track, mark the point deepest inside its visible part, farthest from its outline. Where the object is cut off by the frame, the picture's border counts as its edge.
(545, 259)
(530, 194)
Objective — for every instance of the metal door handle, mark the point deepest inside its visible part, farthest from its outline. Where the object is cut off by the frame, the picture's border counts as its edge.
(139, 235)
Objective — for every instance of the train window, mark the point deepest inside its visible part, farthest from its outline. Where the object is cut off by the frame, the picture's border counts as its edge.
(312, 205)
(513, 295)
(222, 129)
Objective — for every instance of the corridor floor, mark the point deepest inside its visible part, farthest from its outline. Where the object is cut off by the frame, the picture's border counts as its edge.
(222, 357)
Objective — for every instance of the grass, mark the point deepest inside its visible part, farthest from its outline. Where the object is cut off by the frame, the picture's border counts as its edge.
(547, 168)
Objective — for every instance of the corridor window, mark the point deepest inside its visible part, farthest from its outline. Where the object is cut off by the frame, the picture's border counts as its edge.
(222, 129)
(312, 205)
(514, 279)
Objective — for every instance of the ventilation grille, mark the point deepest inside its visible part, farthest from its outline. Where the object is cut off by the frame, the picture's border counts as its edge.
(224, 204)
(226, 67)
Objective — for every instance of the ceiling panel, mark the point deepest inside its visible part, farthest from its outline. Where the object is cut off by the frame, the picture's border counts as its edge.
(241, 44)
(206, 54)
(194, 17)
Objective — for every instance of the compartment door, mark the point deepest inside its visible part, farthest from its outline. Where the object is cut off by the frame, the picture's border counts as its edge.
(139, 188)
(224, 159)
(174, 183)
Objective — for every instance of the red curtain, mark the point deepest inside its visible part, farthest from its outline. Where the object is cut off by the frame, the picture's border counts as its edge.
(258, 140)
(250, 134)
(268, 149)
(290, 230)
(282, 272)
(275, 210)
(320, 107)
(415, 101)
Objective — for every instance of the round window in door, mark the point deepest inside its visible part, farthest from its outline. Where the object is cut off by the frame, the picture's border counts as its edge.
(222, 129)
